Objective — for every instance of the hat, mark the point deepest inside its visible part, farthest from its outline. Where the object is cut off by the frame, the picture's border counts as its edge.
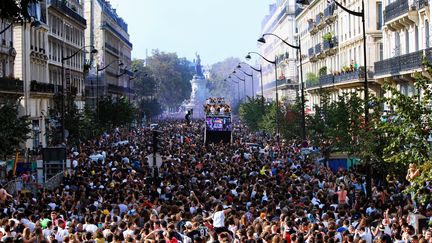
(106, 212)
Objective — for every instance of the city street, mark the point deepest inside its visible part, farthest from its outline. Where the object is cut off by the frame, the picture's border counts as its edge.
(200, 121)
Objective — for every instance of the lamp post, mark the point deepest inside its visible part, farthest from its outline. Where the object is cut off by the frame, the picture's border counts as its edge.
(248, 57)
(244, 82)
(257, 70)
(238, 87)
(97, 83)
(252, 79)
(365, 84)
(262, 40)
(63, 59)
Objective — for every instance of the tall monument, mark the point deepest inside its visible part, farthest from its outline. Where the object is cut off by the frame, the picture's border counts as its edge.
(199, 94)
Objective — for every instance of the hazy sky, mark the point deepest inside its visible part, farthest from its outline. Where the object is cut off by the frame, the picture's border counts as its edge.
(216, 29)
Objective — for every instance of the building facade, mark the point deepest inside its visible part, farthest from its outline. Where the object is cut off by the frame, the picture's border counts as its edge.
(281, 22)
(10, 87)
(108, 33)
(31, 66)
(66, 37)
(332, 44)
(407, 40)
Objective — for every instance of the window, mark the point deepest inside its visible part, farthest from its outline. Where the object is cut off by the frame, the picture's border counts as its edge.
(406, 42)
(379, 16)
(396, 50)
(416, 33)
(427, 33)
(381, 52)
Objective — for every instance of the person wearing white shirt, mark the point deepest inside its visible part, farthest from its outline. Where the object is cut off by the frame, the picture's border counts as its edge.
(219, 219)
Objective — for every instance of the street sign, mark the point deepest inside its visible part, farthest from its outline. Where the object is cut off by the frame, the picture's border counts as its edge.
(158, 160)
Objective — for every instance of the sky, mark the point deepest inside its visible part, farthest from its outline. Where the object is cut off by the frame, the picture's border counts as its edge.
(215, 29)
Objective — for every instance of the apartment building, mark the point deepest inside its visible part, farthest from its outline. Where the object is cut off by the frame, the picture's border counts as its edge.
(30, 41)
(108, 33)
(406, 36)
(65, 38)
(332, 44)
(280, 21)
(10, 87)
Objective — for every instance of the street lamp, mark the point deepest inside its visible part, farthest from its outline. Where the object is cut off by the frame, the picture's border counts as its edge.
(97, 82)
(262, 40)
(365, 84)
(257, 70)
(244, 82)
(63, 59)
(248, 57)
(238, 87)
(252, 79)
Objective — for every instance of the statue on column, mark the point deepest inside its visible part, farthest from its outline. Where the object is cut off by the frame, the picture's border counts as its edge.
(198, 67)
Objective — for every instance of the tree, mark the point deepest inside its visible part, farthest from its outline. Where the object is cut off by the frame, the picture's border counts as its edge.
(407, 128)
(171, 72)
(251, 112)
(115, 112)
(14, 129)
(16, 10)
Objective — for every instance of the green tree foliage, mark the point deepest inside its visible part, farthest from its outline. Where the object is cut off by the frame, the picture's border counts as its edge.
(172, 75)
(407, 128)
(145, 88)
(14, 129)
(115, 112)
(338, 123)
(251, 112)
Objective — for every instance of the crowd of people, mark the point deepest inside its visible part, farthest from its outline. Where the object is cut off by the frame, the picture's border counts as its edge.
(217, 106)
(216, 193)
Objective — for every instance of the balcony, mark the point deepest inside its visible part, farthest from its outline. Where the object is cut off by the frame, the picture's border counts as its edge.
(288, 83)
(422, 4)
(400, 14)
(61, 5)
(319, 21)
(312, 27)
(112, 88)
(356, 75)
(311, 52)
(39, 87)
(326, 80)
(318, 48)
(399, 64)
(330, 46)
(329, 16)
(111, 48)
(11, 85)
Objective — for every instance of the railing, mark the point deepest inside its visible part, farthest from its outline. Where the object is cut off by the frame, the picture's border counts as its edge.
(311, 51)
(398, 64)
(329, 10)
(119, 89)
(318, 19)
(10, 84)
(326, 79)
(312, 84)
(111, 48)
(61, 5)
(311, 24)
(318, 48)
(36, 86)
(279, 83)
(395, 9)
(422, 3)
(54, 181)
